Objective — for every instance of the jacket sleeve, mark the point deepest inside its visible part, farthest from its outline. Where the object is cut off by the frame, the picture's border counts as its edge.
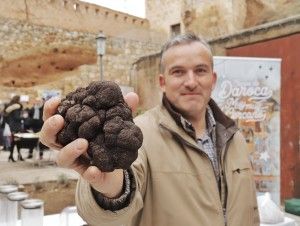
(120, 202)
(93, 214)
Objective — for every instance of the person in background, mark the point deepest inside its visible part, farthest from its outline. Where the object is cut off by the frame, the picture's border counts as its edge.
(36, 115)
(6, 133)
(36, 123)
(193, 167)
(1, 128)
(14, 119)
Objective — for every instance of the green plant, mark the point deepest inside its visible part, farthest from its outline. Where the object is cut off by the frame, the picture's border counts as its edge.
(63, 180)
(12, 181)
(38, 185)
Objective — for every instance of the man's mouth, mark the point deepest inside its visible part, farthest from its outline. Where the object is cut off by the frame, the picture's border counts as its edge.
(190, 94)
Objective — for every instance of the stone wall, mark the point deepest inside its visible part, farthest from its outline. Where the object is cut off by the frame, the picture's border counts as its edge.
(146, 71)
(40, 56)
(79, 16)
(64, 84)
(216, 18)
(259, 33)
(162, 14)
(263, 11)
(211, 18)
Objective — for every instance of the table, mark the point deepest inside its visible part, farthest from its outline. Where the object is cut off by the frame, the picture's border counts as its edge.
(287, 222)
(55, 220)
(28, 141)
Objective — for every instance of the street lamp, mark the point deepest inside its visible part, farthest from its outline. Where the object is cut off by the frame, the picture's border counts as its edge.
(101, 39)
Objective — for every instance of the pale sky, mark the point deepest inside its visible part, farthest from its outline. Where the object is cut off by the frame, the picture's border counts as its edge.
(133, 7)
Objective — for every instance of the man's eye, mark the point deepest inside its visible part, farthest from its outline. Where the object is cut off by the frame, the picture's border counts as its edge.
(177, 72)
(200, 70)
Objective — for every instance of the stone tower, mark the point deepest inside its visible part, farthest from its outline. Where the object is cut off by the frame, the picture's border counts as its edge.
(215, 18)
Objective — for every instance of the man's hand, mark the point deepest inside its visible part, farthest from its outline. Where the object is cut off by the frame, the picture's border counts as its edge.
(74, 155)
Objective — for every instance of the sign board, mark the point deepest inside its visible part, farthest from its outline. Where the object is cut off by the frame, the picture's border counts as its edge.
(248, 91)
(47, 94)
(24, 98)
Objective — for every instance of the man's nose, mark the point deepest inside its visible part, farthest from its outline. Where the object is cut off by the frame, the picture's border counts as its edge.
(191, 80)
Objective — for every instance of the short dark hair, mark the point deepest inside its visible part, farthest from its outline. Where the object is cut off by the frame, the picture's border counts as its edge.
(15, 99)
(182, 39)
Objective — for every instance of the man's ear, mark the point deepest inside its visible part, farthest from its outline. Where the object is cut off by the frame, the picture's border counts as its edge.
(215, 78)
(162, 82)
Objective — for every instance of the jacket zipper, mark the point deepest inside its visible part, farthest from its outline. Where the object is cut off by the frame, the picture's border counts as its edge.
(224, 182)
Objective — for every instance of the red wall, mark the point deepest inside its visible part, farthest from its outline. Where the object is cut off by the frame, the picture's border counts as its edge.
(287, 48)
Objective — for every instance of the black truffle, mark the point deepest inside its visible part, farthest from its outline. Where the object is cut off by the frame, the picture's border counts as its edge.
(99, 114)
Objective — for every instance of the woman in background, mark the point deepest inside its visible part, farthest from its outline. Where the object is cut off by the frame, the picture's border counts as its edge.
(14, 119)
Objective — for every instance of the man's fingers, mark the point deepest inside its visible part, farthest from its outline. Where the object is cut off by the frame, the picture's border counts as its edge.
(132, 99)
(50, 107)
(49, 131)
(68, 155)
(93, 175)
(108, 183)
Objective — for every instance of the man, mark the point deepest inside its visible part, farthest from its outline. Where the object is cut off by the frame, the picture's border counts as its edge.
(35, 122)
(193, 166)
(36, 114)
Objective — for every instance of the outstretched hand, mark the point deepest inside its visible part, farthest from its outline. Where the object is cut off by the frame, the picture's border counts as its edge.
(74, 155)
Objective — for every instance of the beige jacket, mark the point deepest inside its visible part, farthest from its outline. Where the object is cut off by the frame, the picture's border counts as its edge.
(175, 181)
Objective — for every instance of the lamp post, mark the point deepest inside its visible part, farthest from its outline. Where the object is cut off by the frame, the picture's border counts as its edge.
(101, 39)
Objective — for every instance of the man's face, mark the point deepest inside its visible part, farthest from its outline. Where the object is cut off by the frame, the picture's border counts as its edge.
(188, 78)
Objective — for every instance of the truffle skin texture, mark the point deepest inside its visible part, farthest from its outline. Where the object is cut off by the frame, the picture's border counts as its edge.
(99, 114)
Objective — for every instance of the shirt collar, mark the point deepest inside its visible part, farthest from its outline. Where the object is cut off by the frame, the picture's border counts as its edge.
(210, 120)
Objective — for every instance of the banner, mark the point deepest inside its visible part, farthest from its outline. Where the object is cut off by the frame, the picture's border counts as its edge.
(248, 91)
(47, 94)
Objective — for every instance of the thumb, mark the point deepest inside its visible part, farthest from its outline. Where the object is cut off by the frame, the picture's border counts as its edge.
(132, 99)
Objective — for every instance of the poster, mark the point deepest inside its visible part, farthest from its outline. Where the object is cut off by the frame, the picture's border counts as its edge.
(248, 91)
(47, 94)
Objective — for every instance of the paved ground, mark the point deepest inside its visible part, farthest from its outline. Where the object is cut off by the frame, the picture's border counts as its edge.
(30, 171)
(296, 218)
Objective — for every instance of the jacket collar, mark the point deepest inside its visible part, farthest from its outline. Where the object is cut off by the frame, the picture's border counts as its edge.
(171, 119)
(217, 113)
(172, 110)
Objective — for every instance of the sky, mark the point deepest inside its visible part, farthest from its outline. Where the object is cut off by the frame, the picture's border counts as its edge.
(133, 7)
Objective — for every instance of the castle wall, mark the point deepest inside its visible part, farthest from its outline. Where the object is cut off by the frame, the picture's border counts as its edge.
(216, 18)
(145, 80)
(162, 14)
(210, 18)
(79, 16)
(36, 56)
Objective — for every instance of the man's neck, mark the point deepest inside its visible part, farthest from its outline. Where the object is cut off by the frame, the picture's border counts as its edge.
(199, 123)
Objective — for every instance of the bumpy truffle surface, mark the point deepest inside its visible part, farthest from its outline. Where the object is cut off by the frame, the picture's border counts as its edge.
(99, 114)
